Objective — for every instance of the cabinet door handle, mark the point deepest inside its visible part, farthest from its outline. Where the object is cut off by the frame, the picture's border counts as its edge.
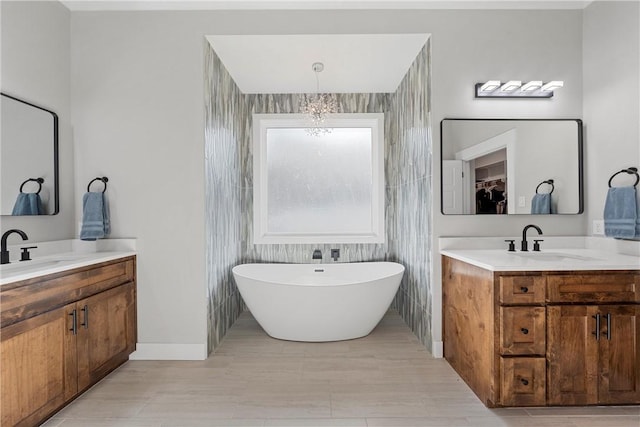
(524, 381)
(524, 289)
(74, 322)
(85, 321)
(597, 331)
(609, 326)
(524, 331)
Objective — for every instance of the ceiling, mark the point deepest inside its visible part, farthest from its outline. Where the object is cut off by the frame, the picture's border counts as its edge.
(367, 63)
(80, 5)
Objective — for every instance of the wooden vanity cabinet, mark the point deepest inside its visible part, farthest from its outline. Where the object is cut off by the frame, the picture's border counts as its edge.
(38, 362)
(594, 348)
(530, 338)
(61, 334)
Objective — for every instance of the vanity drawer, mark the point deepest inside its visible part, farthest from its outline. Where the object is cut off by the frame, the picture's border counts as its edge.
(523, 381)
(522, 289)
(596, 288)
(522, 330)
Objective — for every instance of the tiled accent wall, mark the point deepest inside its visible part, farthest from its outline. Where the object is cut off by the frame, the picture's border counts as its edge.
(412, 183)
(225, 119)
(300, 253)
(229, 201)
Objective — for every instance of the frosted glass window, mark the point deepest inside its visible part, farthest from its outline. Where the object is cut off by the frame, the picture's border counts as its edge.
(326, 189)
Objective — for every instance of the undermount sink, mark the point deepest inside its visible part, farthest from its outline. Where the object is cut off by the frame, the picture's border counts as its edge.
(553, 256)
(36, 264)
(16, 266)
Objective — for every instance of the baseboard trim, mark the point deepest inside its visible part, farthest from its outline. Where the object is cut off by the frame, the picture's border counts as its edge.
(147, 351)
(437, 349)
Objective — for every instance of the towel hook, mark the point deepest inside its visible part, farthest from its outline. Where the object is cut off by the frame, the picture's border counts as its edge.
(630, 171)
(104, 180)
(548, 181)
(38, 180)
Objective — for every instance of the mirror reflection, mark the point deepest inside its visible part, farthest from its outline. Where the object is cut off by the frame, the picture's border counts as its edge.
(509, 166)
(28, 158)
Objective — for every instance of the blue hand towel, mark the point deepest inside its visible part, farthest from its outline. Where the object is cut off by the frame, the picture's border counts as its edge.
(95, 217)
(620, 213)
(28, 204)
(638, 220)
(541, 204)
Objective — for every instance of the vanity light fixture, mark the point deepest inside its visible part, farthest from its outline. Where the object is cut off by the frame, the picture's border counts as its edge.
(552, 85)
(490, 86)
(511, 85)
(515, 89)
(318, 105)
(532, 85)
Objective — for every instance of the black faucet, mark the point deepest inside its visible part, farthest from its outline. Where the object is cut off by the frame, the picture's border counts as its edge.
(525, 246)
(4, 254)
(317, 254)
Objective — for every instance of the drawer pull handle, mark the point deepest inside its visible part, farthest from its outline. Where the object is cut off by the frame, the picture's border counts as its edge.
(85, 322)
(597, 331)
(524, 330)
(524, 381)
(608, 326)
(74, 322)
(524, 289)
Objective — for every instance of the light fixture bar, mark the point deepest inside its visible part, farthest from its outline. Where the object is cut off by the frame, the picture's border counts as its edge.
(515, 89)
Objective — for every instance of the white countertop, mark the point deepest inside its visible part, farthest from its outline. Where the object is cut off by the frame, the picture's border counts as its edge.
(545, 260)
(74, 254)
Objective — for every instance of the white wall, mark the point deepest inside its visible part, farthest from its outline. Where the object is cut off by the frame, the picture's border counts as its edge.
(611, 98)
(137, 97)
(36, 67)
(137, 105)
(530, 45)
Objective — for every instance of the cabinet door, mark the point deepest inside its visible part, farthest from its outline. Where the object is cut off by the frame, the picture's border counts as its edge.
(619, 354)
(572, 354)
(106, 333)
(38, 366)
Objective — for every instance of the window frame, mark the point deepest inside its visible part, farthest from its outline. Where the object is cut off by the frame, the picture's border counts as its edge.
(263, 122)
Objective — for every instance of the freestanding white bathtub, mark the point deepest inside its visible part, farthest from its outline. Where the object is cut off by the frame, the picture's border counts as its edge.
(318, 302)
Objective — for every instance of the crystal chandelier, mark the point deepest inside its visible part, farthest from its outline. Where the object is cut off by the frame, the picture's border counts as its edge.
(317, 106)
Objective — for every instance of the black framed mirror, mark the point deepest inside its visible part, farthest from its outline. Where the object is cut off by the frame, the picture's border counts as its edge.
(511, 166)
(28, 159)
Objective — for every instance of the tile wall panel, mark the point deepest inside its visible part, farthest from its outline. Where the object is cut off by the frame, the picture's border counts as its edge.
(298, 253)
(225, 118)
(412, 157)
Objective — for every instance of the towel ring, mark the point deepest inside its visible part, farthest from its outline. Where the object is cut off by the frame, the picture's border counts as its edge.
(630, 171)
(38, 180)
(104, 180)
(548, 181)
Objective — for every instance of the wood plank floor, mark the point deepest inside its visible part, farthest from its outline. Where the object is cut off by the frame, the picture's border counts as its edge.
(385, 379)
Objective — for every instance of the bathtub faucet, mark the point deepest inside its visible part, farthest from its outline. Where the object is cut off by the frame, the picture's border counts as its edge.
(317, 254)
